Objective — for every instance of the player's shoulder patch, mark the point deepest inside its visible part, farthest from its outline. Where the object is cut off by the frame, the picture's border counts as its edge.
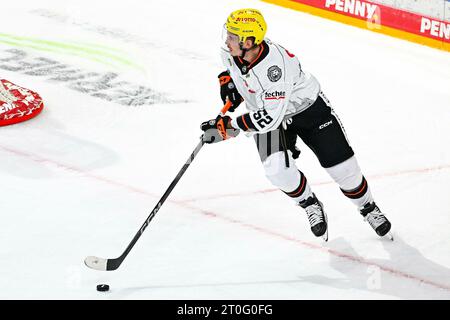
(274, 73)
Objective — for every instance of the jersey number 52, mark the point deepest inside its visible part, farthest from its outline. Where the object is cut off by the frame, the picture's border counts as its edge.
(262, 118)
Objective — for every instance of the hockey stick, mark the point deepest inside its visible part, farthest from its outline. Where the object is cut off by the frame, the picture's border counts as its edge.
(102, 264)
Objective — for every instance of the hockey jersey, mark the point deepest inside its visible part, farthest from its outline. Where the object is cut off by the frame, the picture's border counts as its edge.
(274, 87)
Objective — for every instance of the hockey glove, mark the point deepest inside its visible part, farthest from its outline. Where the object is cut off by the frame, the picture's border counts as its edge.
(228, 91)
(216, 130)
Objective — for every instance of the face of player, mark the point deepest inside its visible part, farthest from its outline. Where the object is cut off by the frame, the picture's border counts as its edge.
(232, 43)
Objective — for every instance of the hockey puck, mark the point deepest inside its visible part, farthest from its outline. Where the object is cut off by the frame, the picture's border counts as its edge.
(102, 287)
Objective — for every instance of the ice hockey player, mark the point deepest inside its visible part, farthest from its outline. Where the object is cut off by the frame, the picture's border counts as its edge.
(284, 101)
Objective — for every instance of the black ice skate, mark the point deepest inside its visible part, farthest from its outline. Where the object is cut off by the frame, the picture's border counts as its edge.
(377, 220)
(316, 216)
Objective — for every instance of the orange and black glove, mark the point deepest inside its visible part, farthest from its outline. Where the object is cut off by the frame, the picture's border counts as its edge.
(218, 129)
(228, 91)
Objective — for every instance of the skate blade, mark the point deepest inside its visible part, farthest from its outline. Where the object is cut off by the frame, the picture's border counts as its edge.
(325, 236)
(389, 236)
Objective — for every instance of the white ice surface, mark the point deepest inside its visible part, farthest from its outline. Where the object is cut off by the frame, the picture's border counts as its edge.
(81, 178)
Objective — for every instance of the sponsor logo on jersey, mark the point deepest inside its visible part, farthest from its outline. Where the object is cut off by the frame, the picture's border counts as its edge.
(274, 73)
(275, 95)
(326, 124)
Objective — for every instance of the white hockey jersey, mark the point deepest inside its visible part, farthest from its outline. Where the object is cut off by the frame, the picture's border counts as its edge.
(274, 87)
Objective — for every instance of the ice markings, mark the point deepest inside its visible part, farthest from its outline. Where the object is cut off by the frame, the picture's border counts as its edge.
(103, 85)
(119, 34)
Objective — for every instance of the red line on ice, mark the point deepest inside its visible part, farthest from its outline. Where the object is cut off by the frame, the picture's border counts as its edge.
(211, 214)
(371, 177)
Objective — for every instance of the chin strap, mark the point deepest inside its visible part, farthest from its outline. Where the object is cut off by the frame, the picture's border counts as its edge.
(244, 51)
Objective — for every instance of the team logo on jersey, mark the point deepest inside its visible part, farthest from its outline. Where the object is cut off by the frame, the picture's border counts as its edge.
(274, 73)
